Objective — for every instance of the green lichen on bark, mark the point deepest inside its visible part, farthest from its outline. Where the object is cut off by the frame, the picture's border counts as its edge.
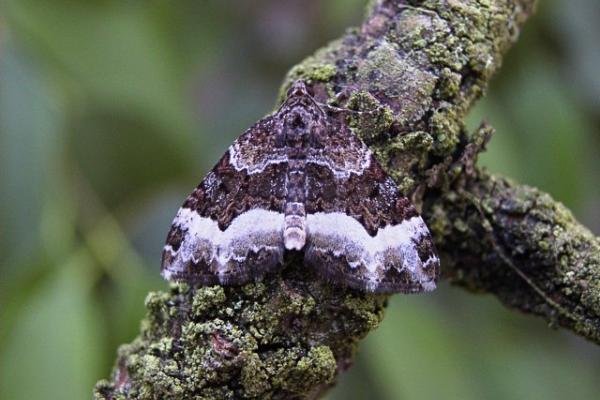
(409, 75)
(282, 338)
(424, 61)
(524, 247)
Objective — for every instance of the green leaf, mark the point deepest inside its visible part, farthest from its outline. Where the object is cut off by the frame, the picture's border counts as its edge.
(415, 354)
(113, 50)
(30, 143)
(55, 349)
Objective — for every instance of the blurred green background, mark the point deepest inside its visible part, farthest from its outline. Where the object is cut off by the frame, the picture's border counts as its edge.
(112, 111)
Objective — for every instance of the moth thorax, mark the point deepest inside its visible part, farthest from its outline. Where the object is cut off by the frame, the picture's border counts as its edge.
(298, 123)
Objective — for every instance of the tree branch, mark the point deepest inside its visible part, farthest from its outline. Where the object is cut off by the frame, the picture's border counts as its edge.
(414, 68)
(524, 247)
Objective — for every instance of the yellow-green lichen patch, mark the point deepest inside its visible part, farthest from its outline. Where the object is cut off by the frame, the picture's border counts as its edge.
(311, 70)
(159, 312)
(404, 154)
(449, 85)
(254, 378)
(445, 128)
(367, 309)
(254, 290)
(396, 80)
(264, 319)
(150, 370)
(250, 342)
(372, 119)
(537, 257)
(279, 362)
(419, 29)
(316, 368)
(207, 299)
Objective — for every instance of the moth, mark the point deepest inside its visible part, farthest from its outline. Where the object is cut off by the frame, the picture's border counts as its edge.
(300, 180)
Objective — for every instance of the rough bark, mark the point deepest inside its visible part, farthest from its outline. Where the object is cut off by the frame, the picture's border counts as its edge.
(413, 70)
(519, 244)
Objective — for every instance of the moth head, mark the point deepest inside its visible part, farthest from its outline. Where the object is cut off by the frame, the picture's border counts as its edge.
(298, 89)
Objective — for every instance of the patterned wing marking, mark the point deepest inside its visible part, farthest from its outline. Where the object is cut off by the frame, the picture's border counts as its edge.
(229, 229)
(361, 231)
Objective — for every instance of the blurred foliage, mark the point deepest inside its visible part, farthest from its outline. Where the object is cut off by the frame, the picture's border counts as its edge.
(111, 111)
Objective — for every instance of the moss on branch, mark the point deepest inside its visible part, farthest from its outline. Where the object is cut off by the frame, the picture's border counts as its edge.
(524, 247)
(414, 68)
(286, 337)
